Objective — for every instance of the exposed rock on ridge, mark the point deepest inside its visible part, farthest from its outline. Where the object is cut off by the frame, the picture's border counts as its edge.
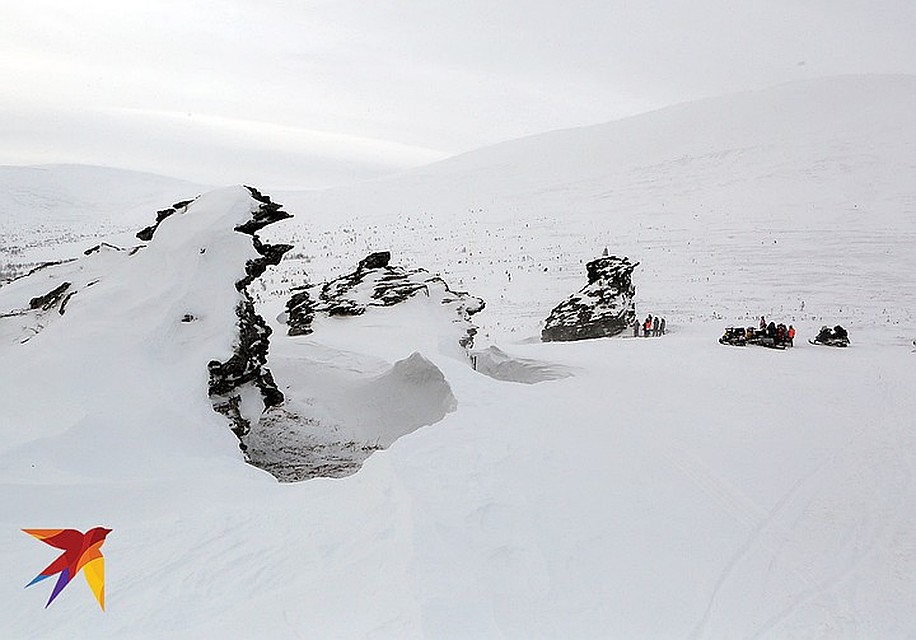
(375, 283)
(51, 298)
(336, 414)
(179, 207)
(38, 299)
(247, 367)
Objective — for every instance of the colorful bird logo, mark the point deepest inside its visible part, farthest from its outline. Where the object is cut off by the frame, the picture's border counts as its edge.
(81, 551)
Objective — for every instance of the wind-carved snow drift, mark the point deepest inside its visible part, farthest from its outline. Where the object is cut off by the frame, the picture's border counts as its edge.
(347, 394)
(603, 308)
(329, 427)
(499, 365)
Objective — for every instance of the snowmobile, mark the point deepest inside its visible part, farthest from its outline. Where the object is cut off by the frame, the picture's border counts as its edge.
(836, 337)
(735, 336)
(739, 337)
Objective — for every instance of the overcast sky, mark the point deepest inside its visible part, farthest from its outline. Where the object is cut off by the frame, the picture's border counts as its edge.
(318, 92)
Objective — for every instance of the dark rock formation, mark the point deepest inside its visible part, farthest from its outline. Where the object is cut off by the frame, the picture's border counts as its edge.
(268, 213)
(104, 245)
(603, 308)
(50, 299)
(248, 363)
(300, 310)
(147, 234)
(63, 303)
(375, 283)
(270, 255)
(375, 260)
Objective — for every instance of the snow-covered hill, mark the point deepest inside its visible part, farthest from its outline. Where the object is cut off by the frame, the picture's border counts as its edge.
(796, 201)
(55, 211)
(630, 488)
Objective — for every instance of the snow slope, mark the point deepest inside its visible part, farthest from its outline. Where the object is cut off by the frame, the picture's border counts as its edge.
(797, 201)
(643, 488)
(53, 211)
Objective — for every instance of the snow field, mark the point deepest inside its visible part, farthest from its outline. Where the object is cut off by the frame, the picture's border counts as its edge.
(669, 487)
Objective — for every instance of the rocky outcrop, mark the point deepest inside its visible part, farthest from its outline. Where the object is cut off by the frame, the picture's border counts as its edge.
(179, 207)
(603, 308)
(339, 408)
(375, 260)
(247, 367)
(50, 299)
(103, 246)
(375, 283)
(268, 213)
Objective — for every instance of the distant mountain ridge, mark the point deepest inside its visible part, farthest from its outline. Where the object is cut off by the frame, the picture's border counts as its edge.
(810, 107)
(869, 113)
(74, 192)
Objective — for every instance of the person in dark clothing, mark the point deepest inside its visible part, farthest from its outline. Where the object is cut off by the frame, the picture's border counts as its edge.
(840, 332)
(655, 332)
(662, 326)
(635, 328)
(771, 330)
(824, 334)
(763, 323)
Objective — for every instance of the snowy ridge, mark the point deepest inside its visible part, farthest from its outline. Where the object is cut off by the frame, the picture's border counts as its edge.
(123, 330)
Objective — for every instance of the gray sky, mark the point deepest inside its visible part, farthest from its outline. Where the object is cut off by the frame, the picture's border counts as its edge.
(318, 92)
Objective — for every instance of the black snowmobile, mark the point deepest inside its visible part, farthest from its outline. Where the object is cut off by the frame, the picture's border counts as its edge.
(735, 336)
(836, 337)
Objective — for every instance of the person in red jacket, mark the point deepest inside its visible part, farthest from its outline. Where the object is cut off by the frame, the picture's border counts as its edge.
(791, 335)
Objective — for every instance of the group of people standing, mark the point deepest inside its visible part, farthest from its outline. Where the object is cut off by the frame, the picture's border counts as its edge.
(780, 333)
(650, 327)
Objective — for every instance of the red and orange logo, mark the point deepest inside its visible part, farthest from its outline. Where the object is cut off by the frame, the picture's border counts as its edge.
(82, 552)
